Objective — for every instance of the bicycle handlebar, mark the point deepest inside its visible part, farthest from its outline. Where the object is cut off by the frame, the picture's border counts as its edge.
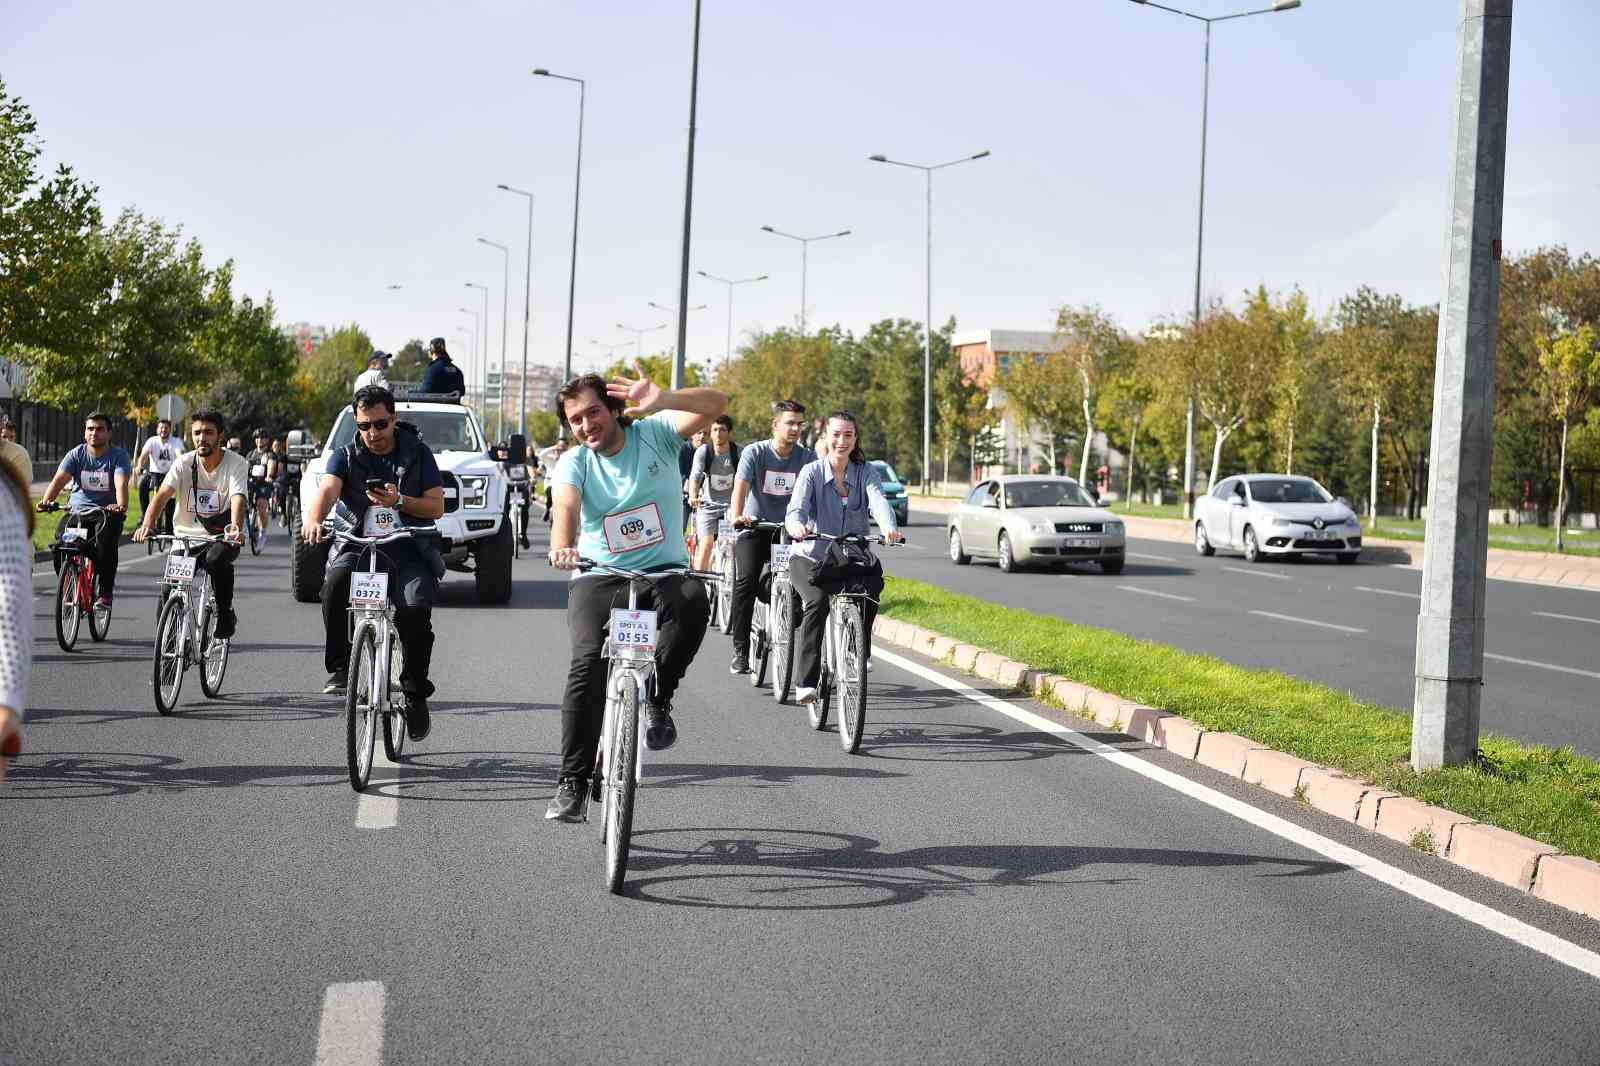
(589, 565)
(88, 512)
(856, 538)
(186, 540)
(403, 533)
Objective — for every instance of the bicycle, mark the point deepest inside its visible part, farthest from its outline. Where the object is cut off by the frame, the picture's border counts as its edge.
(78, 582)
(772, 623)
(631, 649)
(518, 513)
(844, 661)
(377, 660)
(722, 564)
(253, 530)
(186, 623)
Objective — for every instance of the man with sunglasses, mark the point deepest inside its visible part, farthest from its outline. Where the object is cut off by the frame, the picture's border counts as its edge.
(385, 476)
(101, 470)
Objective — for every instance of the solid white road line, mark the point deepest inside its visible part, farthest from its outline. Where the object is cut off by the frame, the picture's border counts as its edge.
(1153, 592)
(1390, 592)
(1547, 944)
(1258, 572)
(375, 809)
(1153, 558)
(1307, 622)
(1568, 617)
(1542, 666)
(351, 1031)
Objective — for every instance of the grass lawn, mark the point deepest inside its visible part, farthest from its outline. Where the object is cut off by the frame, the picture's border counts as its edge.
(1515, 538)
(1148, 510)
(44, 525)
(1552, 795)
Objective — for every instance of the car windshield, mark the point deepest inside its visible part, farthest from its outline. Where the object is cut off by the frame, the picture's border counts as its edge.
(1062, 493)
(885, 470)
(1288, 490)
(442, 431)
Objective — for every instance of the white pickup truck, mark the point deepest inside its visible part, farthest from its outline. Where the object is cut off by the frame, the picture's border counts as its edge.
(476, 532)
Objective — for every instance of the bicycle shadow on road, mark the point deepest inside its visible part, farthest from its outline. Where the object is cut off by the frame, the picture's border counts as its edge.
(70, 775)
(475, 777)
(798, 870)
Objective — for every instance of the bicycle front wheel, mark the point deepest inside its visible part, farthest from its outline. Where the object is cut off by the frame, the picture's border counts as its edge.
(725, 594)
(360, 707)
(394, 719)
(68, 615)
(169, 665)
(213, 657)
(622, 777)
(850, 676)
(780, 617)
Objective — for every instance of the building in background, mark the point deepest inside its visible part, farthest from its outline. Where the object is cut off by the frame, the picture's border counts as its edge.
(543, 384)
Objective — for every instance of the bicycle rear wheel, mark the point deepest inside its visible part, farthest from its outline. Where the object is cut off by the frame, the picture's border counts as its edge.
(99, 617)
(850, 676)
(725, 593)
(780, 615)
(68, 615)
(394, 718)
(622, 768)
(213, 656)
(360, 708)
(168, 665)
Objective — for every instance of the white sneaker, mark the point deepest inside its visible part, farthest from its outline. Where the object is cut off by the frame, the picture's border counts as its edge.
(805, 694)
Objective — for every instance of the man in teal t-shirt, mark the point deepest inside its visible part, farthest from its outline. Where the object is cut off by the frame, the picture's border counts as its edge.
(617, 501)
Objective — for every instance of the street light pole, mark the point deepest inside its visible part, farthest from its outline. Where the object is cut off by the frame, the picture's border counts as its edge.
(927, 328)
(1200, 227)
(727, 352)
(483, 357)
(805, 247)
(577, 187)
(505, 299)
(527, 298)
(673, 311)
(638, 337)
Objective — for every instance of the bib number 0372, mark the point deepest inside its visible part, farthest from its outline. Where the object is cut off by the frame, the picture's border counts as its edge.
(369, 590)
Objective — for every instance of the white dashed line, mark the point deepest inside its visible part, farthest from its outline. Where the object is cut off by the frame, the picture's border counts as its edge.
(1541, 666)
(1152, 558)
(1257, 572)
(1153, 592)
(1567, 617)
(1308, 622)
(351, 1030)
(1389, 592)
(1547, 944)
(376, 809)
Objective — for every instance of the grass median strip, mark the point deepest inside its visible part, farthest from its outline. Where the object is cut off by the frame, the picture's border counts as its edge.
(1551, 795)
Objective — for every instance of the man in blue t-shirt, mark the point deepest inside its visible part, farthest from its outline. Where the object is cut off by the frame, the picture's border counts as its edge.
(101, 470)
(618, 500)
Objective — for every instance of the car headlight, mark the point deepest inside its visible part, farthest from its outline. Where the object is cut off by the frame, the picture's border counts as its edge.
(1041, 527)
(475, 492)
(1113, 526)
(1280, 523)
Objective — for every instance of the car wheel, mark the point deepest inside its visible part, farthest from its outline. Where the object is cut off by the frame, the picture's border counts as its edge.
(1111, 566)
(1348, 557)
(1008, 562)
(1202, 543)
(492, 566)
(957, 555)
(1252, 547)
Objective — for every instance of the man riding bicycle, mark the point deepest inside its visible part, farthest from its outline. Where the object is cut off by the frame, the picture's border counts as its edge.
(761, 490)
(835, 495)
(711, 486)
(387, 477)
(155, 459)
(209, 487)
(617, 500)
(101, 470)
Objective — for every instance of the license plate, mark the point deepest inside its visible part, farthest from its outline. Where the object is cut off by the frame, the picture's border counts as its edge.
(1080, 542)
(780, 556)
(369, 590)
(180, 569)
(633, 630)
(71, 533)
(1319, 534)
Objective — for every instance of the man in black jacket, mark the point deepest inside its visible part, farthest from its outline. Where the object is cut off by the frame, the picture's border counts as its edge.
(442, 374)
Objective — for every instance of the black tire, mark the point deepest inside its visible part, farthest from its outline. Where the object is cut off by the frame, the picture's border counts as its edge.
(69, 616)
(617, 823)
(1252, 546)
(99, 617)
(394, 720)
(1202, 543)
(724, 604)
(1112, 566)
(252, 530)
(1348, 557)
(360, 709)
(492, 571)
(168, 663)
(782, 620)
(850, 678)
(817, 709)
(760, 655)
(957, 555)
(213, 660)
(1008, 562)
(308, 565)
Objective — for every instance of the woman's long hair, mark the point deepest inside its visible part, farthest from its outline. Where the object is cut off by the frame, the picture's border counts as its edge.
(856, 455)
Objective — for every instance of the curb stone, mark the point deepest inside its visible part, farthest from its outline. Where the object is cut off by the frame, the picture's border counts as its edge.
(1569, 881)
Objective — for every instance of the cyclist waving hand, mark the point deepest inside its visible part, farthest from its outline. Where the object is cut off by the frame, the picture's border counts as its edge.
(618, 498)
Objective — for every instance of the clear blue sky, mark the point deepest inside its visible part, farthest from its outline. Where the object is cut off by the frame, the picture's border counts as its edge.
(331, 153)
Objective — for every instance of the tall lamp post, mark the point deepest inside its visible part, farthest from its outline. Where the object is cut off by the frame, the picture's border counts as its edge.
(688, 206)
(577, 186)
(638, 336)
(527, 298)
(483, 354)
(805, 247)
(473, 333)
(505, 298)
(727, 352)
(927, 328)
(1200, 227)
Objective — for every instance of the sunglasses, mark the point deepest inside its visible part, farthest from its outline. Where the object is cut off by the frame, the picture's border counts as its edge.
(379, 424)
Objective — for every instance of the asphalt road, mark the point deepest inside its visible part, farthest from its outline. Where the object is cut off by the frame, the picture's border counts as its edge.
(978, 885)
(1352, 627)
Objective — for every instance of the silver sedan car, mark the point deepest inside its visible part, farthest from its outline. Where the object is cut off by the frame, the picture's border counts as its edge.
(1023, 520)
(1275, 514)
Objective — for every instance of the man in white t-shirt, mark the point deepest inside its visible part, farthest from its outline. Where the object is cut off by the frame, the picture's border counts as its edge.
(209, 486)
(150, 466)
(376, 373)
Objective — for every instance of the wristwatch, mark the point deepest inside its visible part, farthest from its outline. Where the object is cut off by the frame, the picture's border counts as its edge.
(399, 500)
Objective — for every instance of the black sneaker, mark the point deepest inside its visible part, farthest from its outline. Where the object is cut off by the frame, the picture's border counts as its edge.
(659, 731)
(417, 720)
(570, 800)
(227, 623)
(525, 543)
(335, 685)
(740, 664)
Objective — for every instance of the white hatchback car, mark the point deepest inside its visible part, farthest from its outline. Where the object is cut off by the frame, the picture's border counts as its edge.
(1275, 514)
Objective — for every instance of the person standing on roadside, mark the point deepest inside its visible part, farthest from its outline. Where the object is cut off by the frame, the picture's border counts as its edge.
(101, 470)
(442, 375)
(16, 605)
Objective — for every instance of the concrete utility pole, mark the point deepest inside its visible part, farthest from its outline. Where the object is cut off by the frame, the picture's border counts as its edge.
(1444, 719)
(688, 207)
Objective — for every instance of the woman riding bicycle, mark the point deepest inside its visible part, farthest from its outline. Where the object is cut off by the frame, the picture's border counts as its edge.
(834, 495)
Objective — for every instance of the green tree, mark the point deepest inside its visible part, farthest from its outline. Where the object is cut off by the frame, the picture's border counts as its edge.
(961, 414)
(1571, 369)
(409, 362)
(1092, 346)
(326, 376)
(658, 368)
(1044, 391)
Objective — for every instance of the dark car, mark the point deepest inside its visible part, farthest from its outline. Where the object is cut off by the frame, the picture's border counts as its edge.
(894, 490)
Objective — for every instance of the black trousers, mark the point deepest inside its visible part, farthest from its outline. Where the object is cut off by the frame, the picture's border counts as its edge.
(682, 611)
(104, 542)
(526, 492)
(217, 560)
(814, 621)
(411, 590)
(751, 551)
(147, 485)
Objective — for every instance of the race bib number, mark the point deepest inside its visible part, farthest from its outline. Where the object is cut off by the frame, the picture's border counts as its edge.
(369, 590)
(180, 569)
(259, 470)
(721, 482)
(778, 483)
(724, 528)
(633, 630)
(294, 468)
(780, 556)
(380, 521)
(631, 530)
(95, 480)
(207, 501)
(72, 533)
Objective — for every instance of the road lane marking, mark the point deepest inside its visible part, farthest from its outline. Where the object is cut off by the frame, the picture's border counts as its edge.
(1392, 592)
(1308, 622)
(1547, 944)
(1153, 558)
(1542, 666)
(351, 1030)
(1153, 592)
(1258, 572)
(375, 809)
(1568, 617)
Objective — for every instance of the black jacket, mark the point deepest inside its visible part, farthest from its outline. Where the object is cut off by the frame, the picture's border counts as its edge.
(443, 376)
